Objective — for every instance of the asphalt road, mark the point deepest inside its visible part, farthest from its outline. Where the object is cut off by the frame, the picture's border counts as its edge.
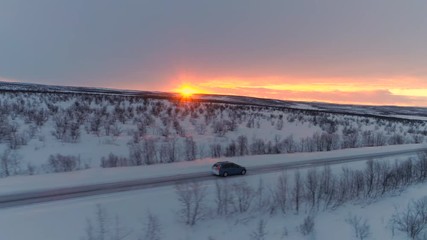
(21, 199)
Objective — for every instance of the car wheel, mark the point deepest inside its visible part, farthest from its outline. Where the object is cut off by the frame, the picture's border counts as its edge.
(243, 172)
(225, 174)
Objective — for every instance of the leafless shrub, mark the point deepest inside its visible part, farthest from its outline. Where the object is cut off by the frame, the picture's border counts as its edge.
(297, 191)
(360, 227)
(244, 195)
(201, 128)
(327, 188)
(168, 151)
(262, 199)
(307, 225)
(9, 164)
(216, 150)
(412, 220)
(421, 167)
(260, 233)
(136, 154)
(149, 151)
(191, 197)
(120, 231)
(257, 146)
(242, 145)
(102, 227)
(116, 130)
(221, 127)
(114, 161)
(190, 148)
(98, 229)
(74, 132)
(224, 199)
(62, 163)
(311, 185)
(281, 192)
(31, 169)
(60, 127)
(18, 139)
(152, 228)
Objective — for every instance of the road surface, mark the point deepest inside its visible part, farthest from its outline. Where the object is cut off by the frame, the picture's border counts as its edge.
(20, 199)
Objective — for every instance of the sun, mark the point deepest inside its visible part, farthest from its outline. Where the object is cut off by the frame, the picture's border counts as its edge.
(187, 91)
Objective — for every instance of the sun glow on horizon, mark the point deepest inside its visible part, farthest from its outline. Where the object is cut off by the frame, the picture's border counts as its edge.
(374, 91)
(187, 91)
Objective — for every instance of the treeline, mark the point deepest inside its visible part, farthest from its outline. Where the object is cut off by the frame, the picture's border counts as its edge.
(149, 151)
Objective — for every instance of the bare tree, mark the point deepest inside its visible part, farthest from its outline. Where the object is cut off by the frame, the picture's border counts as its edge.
(63, 163)
(216, 150)
(61, 126)
(168, 151)
(231, 149)
(311, 185)
(102, 221)
(412, 220)
(327, 187)
(98, 229)
(281, 192)
(191, 196)
(307, 225)
(136, 154)
(298, 190)
(224, 199)
(260, 233)
(361, 228)
(74, 134)
(152, 228)
(261, 200)
(9, 164)
(369, 178)
(190, 149)
(279, 124)
(242, 145)
(150, 151)
(244, 195)
(421, 167)
(120, 232)
(114, 161)
(89, 229)
(257, 146)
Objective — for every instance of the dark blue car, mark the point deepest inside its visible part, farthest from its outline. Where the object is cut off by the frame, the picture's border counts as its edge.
(227, 168)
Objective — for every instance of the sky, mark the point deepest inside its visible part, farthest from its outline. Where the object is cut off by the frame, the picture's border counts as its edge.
(360, 52)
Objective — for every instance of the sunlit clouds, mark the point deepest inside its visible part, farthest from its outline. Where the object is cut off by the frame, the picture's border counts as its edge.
(335, 90)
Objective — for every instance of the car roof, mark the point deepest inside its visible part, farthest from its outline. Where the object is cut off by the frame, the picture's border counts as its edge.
(224, 162)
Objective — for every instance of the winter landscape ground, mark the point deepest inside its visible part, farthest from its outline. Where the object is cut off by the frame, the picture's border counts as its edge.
(53, 137)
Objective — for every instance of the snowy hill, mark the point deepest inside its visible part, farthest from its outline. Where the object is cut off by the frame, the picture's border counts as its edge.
(390, 111)
(56, 129)
(83, 131)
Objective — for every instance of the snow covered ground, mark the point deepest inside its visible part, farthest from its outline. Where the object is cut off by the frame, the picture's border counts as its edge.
(151, 132)
(37, 127)
(67, 219)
